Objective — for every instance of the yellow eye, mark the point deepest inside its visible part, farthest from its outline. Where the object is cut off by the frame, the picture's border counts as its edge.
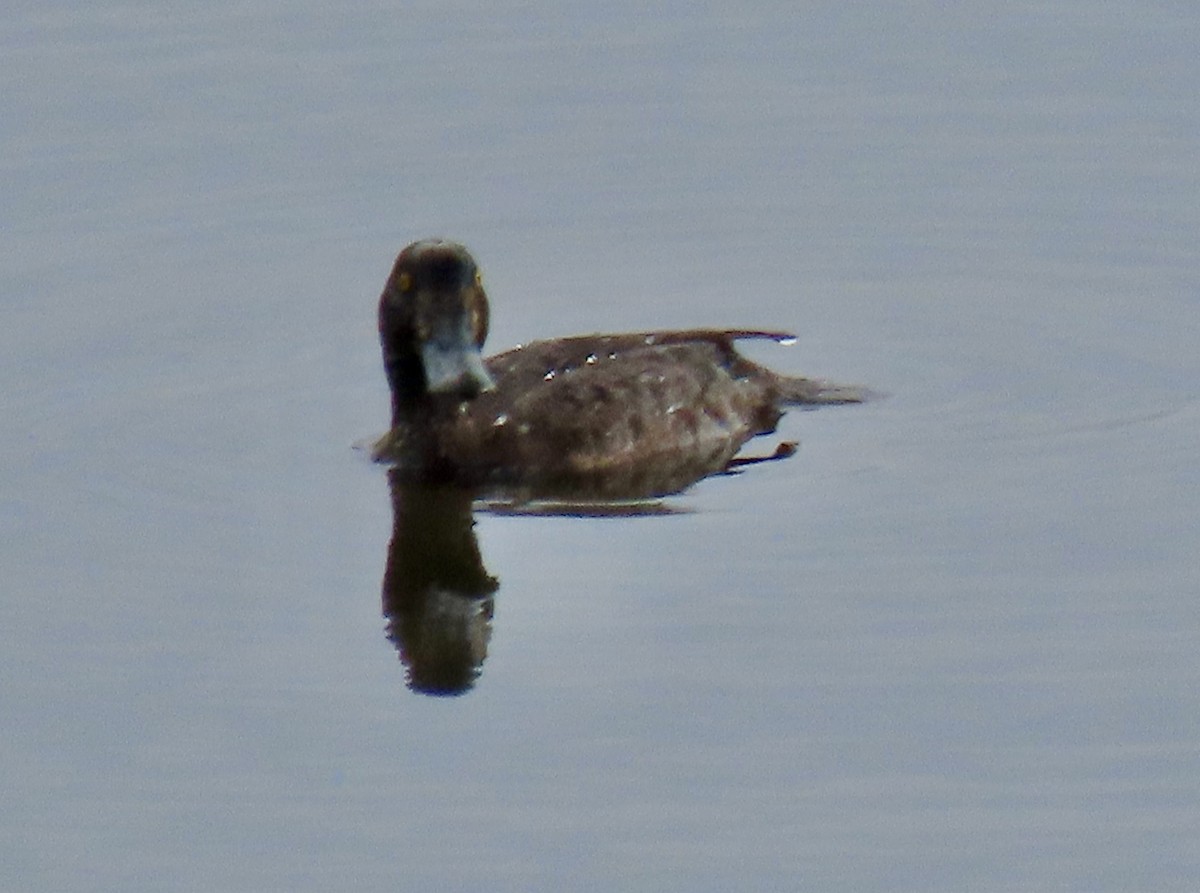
(478, 278)
(404, 282)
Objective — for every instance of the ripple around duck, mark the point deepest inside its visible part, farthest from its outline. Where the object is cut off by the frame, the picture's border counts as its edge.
(1006, 418)
(1015, 382)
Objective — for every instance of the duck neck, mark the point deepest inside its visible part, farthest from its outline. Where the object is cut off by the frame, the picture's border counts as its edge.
(406, 378)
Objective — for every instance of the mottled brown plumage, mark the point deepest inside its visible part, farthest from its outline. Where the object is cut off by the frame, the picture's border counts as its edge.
(596, 416)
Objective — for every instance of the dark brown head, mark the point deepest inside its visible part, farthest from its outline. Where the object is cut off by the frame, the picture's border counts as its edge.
(433, 319)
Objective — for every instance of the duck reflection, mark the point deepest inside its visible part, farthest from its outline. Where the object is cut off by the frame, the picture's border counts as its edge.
(437, 595)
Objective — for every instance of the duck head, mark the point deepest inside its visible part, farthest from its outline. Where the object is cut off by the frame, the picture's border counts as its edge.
(433, 319)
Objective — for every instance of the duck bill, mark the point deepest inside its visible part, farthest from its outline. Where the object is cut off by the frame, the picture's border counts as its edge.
(453, 364)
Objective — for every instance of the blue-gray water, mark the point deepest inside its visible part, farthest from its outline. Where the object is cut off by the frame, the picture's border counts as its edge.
(952, 644)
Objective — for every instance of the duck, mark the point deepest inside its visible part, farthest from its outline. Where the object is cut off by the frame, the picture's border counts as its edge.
(603, 416)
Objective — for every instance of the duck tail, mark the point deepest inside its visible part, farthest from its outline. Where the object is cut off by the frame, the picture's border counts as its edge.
(819, 392)
(793, 390)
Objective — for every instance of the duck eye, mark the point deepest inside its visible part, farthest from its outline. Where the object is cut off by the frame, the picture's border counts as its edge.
(404, 281)
(478, 279)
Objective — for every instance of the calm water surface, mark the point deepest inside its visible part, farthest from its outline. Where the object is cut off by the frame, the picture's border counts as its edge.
(950, 645)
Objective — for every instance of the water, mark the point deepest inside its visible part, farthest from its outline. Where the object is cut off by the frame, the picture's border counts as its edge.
(949, 644)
